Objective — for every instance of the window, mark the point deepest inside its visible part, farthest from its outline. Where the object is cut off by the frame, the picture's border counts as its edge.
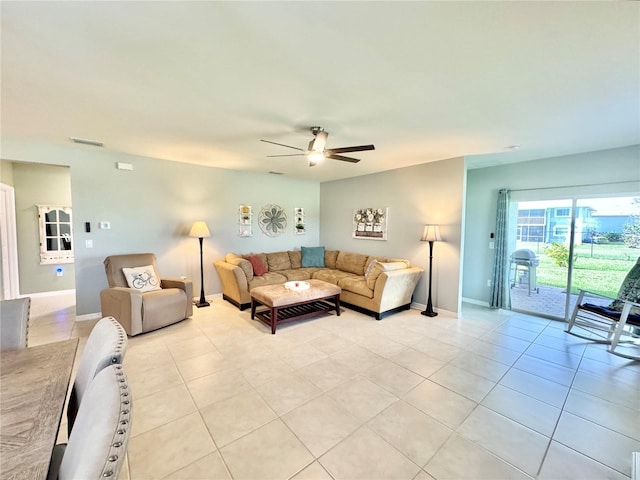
(560, 231)
(563, 212)
(55, 234)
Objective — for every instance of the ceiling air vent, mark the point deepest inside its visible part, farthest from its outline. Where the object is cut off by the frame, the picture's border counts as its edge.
(84, 141)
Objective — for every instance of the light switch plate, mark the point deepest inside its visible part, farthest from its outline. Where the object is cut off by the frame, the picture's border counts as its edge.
(105, 225)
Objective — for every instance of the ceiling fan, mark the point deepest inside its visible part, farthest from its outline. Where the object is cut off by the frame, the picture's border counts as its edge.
(316, 152)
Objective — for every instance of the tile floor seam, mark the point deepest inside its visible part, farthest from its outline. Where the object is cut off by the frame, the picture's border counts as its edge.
(364, 425)
(562, 410)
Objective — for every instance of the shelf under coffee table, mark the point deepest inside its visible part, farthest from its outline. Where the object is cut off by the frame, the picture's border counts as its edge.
(285, 305)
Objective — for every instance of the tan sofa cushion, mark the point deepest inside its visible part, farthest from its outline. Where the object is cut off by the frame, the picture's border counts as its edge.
(296, 274)
(331, 276)
(351, 262)
(356, 285)
(295, 257)
(269, 278)
(330, 257)
(278, 261)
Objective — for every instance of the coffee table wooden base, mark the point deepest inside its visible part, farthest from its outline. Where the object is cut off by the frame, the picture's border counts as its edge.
(273, 316)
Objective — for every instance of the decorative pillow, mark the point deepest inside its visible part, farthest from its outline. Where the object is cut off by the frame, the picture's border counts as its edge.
(369, 268)
(380, 267)
(258, 265)
(143, 279)
(230, 256)
(312, 256)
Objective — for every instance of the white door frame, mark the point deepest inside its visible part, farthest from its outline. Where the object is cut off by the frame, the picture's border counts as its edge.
(9, 243)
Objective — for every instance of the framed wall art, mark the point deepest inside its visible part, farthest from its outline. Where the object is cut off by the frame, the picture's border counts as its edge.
(370, 223)
(272, 220)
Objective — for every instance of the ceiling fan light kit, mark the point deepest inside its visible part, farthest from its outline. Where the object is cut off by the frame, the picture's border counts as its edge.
(316, 151)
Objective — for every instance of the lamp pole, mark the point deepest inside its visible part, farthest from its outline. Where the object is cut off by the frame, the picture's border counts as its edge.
(430, 234)
(203, 301)
(200, 230)
(429, 310)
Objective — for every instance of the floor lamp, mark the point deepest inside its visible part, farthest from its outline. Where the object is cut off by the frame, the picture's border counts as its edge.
(430, 234)
(200, 230)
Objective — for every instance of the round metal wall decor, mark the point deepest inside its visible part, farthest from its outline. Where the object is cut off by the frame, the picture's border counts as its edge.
(272, 220)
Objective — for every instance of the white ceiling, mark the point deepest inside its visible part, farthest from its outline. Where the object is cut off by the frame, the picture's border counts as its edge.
(203, 82)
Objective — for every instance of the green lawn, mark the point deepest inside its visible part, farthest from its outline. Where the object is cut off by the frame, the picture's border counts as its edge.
(600, 270)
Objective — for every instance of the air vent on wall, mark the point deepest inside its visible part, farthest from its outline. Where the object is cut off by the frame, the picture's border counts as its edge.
(84, 141)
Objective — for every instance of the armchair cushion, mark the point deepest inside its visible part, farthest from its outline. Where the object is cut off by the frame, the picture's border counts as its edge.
(143, 279)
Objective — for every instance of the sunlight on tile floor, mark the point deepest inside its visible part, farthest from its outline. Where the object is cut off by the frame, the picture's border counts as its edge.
(492, 395)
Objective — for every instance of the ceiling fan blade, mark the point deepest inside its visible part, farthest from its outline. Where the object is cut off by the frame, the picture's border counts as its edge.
(282, 145)
(287, 155)
(343, 158)
(359, 148)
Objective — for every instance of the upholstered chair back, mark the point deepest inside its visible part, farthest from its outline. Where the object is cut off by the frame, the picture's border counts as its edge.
(105, 346)
(114, 264)
(14, 323)
(98, 443)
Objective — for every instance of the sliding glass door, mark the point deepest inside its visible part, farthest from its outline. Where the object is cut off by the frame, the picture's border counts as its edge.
(559, 247)
(539, 267)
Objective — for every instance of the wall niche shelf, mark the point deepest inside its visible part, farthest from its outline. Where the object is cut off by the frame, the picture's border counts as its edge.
(245, 222)
(299, 224)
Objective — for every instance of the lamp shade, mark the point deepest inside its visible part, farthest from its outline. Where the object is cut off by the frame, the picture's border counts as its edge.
(431, 233)
(199, 230)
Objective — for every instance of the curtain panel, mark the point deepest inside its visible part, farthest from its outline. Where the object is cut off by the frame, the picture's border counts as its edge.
(500, 294)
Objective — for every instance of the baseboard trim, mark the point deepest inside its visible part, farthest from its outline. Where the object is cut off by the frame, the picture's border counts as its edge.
(475, 302)
(422, 306)
(48, 294)
(89, 316)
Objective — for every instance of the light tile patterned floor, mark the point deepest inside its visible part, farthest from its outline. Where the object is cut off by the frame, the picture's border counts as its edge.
(492, 395)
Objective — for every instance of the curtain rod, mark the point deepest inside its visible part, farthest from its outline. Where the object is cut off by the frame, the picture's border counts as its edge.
(571, 186)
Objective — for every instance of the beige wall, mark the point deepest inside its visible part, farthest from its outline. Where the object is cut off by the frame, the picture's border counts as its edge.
(6, 172)
(152, 207)
(427, 193)
(605, 172)
(37, 184)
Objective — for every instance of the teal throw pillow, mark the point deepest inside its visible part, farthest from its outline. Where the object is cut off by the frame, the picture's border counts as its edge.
(312, 256)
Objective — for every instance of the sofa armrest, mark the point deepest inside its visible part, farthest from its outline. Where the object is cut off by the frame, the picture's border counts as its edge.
(125, 305)
(234, 281)
(186, 286)
(396, 287)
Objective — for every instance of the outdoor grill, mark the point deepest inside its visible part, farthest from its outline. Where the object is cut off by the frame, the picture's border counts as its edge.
(524, 263)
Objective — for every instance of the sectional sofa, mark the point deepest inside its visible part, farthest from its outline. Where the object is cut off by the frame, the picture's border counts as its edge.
(374, 285)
